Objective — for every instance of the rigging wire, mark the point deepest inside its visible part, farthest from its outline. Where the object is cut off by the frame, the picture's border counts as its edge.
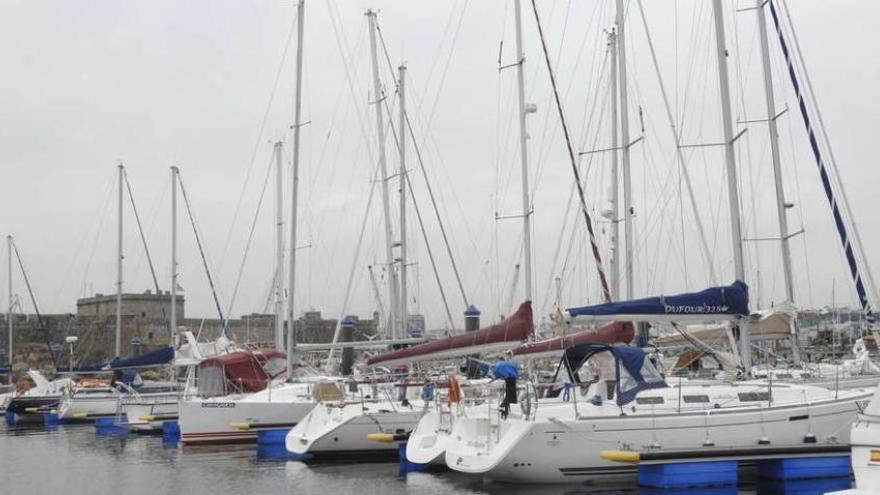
(140, 227)
(429, 189)
(258, 142)
(224, 321)
(707, 254)
(249, 242)
(587, 219)
(104, 210)
(40, 320)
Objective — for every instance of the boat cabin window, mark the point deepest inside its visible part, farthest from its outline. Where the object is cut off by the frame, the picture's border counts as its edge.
(275, 366)
(649, 400)
(628, 382)
(695, 399)
(784, 376)
(599, 367)
(212, 381)
(754, 396)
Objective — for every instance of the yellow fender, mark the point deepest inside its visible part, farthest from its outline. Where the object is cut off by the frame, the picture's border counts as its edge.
(627, 456)
(240, 426)
(381, 437)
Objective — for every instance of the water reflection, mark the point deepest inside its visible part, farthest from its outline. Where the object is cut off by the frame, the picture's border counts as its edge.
(83, 462)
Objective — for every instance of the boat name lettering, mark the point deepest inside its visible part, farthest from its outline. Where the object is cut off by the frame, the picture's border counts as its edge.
(699, 309)
(218, 404)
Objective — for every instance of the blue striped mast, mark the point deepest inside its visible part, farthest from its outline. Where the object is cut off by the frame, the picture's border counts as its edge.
(839, 223)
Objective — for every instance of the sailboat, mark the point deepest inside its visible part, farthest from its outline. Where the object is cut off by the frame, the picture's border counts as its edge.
(90, 399)
(35, 395)
(342, 429)
(618, 399)
(427, 443)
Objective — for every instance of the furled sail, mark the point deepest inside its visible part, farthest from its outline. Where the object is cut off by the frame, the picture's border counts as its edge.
(507, 334)
(617, 332)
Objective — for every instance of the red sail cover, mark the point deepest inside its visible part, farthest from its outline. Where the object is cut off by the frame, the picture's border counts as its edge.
(244, 371)
(505, 335)
(609, 333)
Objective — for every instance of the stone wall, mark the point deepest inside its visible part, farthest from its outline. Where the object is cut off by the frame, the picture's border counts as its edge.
(97, 334)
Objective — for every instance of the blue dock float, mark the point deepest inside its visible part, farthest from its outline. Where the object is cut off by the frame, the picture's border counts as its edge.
(803, 468)
(719, 466)
(170, 432)
(714, 490)
(272, 437)
(110, 426)
(689, 474)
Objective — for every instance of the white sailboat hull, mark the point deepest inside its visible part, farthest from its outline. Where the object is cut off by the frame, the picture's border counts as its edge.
(148, 415)
(550, 449)
(428, 442)
(332, 430)
(236, 419)
(89, 407)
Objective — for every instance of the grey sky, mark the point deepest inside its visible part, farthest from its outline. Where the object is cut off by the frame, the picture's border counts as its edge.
(156, 83)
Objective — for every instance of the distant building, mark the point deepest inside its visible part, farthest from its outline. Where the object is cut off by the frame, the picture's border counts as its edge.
(147, 305)
(312, 328)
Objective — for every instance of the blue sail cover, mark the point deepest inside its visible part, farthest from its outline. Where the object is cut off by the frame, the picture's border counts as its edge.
(158, 357)
(732, 300)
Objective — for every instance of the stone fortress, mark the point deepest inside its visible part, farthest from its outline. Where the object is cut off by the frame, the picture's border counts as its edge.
(145, 318)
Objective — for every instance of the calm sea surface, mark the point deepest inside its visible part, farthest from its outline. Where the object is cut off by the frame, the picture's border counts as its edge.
(73, 460)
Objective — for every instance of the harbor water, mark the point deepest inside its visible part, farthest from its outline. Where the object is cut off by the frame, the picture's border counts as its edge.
(74, 460)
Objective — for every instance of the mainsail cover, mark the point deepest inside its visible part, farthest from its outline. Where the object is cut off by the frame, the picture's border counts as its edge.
(728, 302)
(158, 357)
(617, 332)
(507, 334)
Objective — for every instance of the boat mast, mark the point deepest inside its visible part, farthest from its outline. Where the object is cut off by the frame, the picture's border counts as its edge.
(291, 282)
(379, 96)
(279, 249)
(9, 308)
(624, 153)
(730, 160)
(401, 92)
(770, 100)
(174, 251)
(524, 152)
(119, 267)
(614, 267)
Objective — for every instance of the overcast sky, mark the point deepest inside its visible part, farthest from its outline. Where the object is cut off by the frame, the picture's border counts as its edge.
(87, 85)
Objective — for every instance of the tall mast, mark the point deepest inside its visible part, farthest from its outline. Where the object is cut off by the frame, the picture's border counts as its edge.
(297, 124)
(173, 252)
(379, 95)
(401, 91)
(119, 268)
(730, 161)
(9, 308)
(770, 100)
(614, 267)
(624, 153)
(279, 249)
(523, 153)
